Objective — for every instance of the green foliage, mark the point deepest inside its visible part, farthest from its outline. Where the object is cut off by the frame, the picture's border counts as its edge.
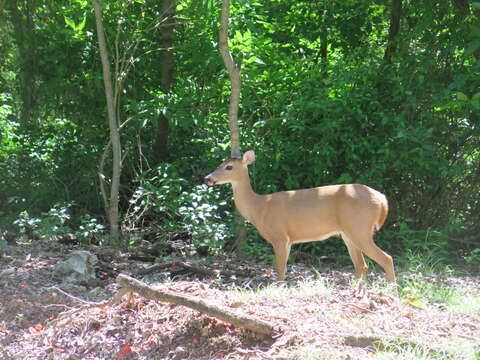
(201, 217)
(56, 223)
(176, 206)
(256, 246)
(319, 105)
(90, 230)
(473, 258)
(48, 225)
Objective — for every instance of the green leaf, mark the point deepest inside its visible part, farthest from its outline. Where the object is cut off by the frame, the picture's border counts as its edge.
(476, 97)
(476, 5)
(70, 22)
(81, 26)
(461, 96)
(82, 3)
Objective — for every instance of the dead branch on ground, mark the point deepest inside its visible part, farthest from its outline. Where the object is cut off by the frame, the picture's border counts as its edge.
(239, 320)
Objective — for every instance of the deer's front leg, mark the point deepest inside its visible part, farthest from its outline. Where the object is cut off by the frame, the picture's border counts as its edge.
(281, 247)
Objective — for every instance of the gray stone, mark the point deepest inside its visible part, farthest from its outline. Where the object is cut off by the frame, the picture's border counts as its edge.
(78, 268)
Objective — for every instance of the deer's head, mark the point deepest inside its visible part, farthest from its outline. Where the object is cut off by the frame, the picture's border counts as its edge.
(231, 171)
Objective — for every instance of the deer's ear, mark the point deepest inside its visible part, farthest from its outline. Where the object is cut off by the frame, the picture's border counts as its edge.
(249, 157)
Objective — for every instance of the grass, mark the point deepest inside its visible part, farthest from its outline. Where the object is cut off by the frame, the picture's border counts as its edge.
(443, 349)
(395, 352)
(461, 302)
(455, 349)
(425, 281)
(391, 351)
(310, 352)
(281, 292)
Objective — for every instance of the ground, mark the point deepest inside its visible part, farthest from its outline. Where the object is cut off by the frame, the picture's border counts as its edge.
(317, 315)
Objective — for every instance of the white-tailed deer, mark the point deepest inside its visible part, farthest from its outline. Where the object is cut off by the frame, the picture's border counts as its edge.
(284, 218)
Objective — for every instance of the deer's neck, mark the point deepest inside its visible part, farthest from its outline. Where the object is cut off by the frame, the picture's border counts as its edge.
(246, 200)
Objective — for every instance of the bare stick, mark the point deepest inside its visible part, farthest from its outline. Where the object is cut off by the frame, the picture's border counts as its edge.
(74, 297)
(238, 320)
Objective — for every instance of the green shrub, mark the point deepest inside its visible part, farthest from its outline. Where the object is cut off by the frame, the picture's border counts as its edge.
(166, 200)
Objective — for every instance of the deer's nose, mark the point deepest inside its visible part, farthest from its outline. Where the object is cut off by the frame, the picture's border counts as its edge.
(208, 180)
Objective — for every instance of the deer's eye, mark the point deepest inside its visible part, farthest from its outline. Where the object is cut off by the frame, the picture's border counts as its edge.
(228, 167)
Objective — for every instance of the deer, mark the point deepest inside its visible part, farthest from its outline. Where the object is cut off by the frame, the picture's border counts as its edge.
(353, 211)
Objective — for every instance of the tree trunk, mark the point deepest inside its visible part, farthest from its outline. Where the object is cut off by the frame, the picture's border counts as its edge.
(394, 29)
(240, 235)
(166, 77)
(234, 73)
(27, 46)
(112, 211)
(323, 50)
(167, 40)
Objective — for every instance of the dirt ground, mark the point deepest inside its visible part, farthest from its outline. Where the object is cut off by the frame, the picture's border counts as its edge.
(41, 318)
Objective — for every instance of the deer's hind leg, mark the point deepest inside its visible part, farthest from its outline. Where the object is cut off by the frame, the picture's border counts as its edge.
(357, 258)
(363, 240)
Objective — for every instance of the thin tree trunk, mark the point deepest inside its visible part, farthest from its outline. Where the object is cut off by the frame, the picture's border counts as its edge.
(394, 30)
(166, 76)
(323, 50)
(241, 235)
(112, 211)
(26, 41)
(234, 73)
(168, 37)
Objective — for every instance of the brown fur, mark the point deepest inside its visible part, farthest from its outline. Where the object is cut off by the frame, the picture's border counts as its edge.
(284, 218)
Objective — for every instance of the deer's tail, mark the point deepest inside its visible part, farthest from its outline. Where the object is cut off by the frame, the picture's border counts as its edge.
(383, 213)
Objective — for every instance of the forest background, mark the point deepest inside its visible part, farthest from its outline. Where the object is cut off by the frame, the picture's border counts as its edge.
(375, 92)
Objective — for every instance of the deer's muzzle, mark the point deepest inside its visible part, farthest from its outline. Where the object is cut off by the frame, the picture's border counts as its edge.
(209, 180)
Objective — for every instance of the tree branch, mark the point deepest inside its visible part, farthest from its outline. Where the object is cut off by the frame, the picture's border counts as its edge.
(238, 320)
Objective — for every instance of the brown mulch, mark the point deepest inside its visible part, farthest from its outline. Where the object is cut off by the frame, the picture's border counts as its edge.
(42, 319)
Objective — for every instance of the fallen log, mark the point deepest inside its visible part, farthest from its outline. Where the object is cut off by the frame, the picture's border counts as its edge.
(130, 284)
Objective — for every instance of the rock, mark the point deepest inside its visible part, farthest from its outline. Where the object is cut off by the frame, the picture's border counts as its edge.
(78, 268)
